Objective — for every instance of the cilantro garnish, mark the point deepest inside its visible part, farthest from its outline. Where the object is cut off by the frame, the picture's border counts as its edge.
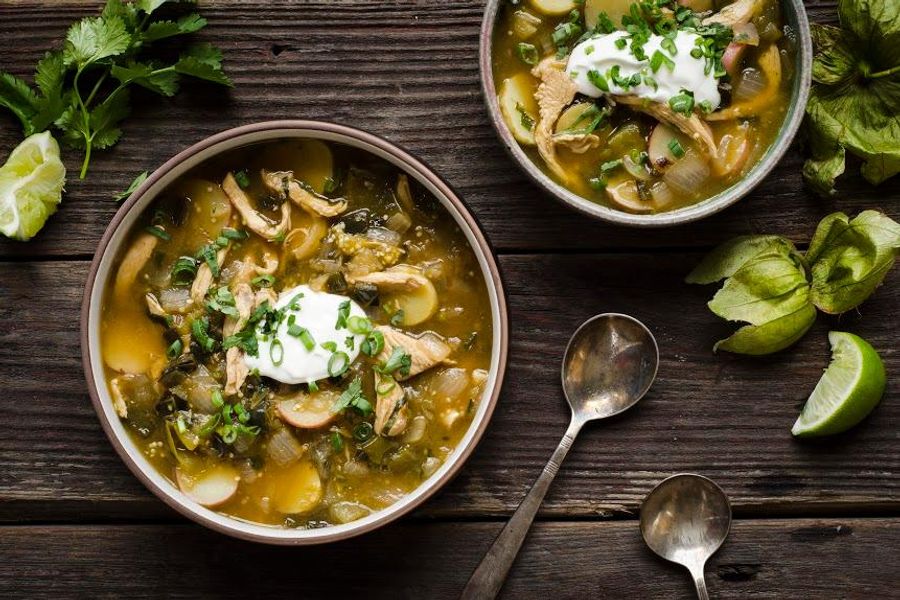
(83, 89)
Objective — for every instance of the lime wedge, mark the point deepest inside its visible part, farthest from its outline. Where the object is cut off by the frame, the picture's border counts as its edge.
(850, 388)
(31, 184)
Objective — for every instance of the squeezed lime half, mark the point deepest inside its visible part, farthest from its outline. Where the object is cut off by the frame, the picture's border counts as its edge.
(31, 184)
(850, 388)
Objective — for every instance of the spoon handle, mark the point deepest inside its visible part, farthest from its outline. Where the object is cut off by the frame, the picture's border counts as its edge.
(700, 583)
(488, 578)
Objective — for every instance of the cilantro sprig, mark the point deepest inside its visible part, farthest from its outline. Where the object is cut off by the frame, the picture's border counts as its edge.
(83, 89)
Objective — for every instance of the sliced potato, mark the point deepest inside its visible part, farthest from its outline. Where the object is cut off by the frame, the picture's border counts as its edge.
(209, 487)
(625, 195)
(614, 9)
(298, 490)
(659, 149)
(307, 231)
(554, 7)
(574, 117)
(518, 106)
(417, 304)
(308, 411)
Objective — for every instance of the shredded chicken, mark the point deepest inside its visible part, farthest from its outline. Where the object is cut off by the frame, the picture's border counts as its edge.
(204, 277)
(555, 92)
(578, 143)
(265, 295)
(154, 306)
(254, 220)
(770, 65)
(284, 184)
(236, 370)
(391, 412)
(425, 351)
(118, 397)
(397, 279)
(692, 126)
(137, 256)
(735, 13)
(404, 193)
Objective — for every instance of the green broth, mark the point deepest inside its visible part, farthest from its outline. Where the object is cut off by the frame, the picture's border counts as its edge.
(340, 471)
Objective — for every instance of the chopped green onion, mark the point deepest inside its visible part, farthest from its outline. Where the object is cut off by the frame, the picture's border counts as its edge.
(697, 53)
(263, 281)
(621, 43)
(174, 349)
(208, 255)
(527, 53)
(363, 431)
(598, 80)
(360, 325)
(659, 59)
(373, 344)
(312, 386)
(524, 117)
(305, 336)
(216, 397)
(399, 361)
(276, 352)
(675, 148)
(200, 333)
(669, 46)
(242, 178)
(234, 234)
(597, 183)
(682, 103)
(184, 270)
(338, 364)
(330, 346)
(158, 232)
(385, 385)
(337, 441)
(343, 313)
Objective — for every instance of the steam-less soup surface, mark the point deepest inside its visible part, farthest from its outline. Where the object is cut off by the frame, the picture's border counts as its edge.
(296, 334)
(644, 106)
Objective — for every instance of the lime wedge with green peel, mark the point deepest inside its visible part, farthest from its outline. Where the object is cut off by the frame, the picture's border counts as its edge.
(31, 184)
(850, 388)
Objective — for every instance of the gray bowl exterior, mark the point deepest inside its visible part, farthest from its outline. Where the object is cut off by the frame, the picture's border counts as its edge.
(795, 15)
(101, 270)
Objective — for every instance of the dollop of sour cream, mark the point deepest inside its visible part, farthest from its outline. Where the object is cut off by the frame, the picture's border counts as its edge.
(681, 72)
(288, 359)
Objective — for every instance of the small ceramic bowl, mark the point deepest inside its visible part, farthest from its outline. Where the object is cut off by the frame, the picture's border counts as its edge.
(795, 17)
(116, 235)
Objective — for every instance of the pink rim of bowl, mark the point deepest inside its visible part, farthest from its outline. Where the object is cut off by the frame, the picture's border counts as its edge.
(116, 234)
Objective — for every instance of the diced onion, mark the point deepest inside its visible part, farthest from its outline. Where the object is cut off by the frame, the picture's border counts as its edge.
(175, 300)
(752, 83)
(383, 235)
(746, 33)
(450, 383)
(688, 174)
(283, 448)
(662, 194)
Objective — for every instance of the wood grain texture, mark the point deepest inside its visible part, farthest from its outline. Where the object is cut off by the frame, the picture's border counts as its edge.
(725, 416)
(406, 70)
(761, 559)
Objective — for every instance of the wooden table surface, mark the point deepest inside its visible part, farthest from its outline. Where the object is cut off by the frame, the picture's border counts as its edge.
(812, 520)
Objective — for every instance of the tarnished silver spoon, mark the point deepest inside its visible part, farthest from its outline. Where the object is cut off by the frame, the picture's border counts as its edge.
(609, 365)
(685, 519)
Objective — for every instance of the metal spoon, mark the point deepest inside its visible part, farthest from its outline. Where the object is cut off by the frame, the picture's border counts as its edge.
(609, 365)
(685, 519)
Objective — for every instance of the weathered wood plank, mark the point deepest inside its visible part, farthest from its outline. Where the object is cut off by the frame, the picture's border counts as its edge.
(724, 416)
(761, 559)
(414, 80)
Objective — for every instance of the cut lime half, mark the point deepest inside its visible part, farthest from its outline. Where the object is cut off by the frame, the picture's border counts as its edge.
(31, 184)
(850, 388)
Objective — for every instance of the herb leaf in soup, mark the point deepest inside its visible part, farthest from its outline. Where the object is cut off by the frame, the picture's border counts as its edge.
(855, 94)
(264, 378)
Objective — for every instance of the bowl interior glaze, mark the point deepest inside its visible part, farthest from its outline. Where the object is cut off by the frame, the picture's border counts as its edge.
(795, 17)
(115, 236)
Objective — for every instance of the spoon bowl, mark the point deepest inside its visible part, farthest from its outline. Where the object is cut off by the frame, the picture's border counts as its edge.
(610, 364)
(685, 519)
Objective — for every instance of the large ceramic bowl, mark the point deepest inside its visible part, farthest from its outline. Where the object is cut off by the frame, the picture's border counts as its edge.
(795, 17)
(116, 235)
